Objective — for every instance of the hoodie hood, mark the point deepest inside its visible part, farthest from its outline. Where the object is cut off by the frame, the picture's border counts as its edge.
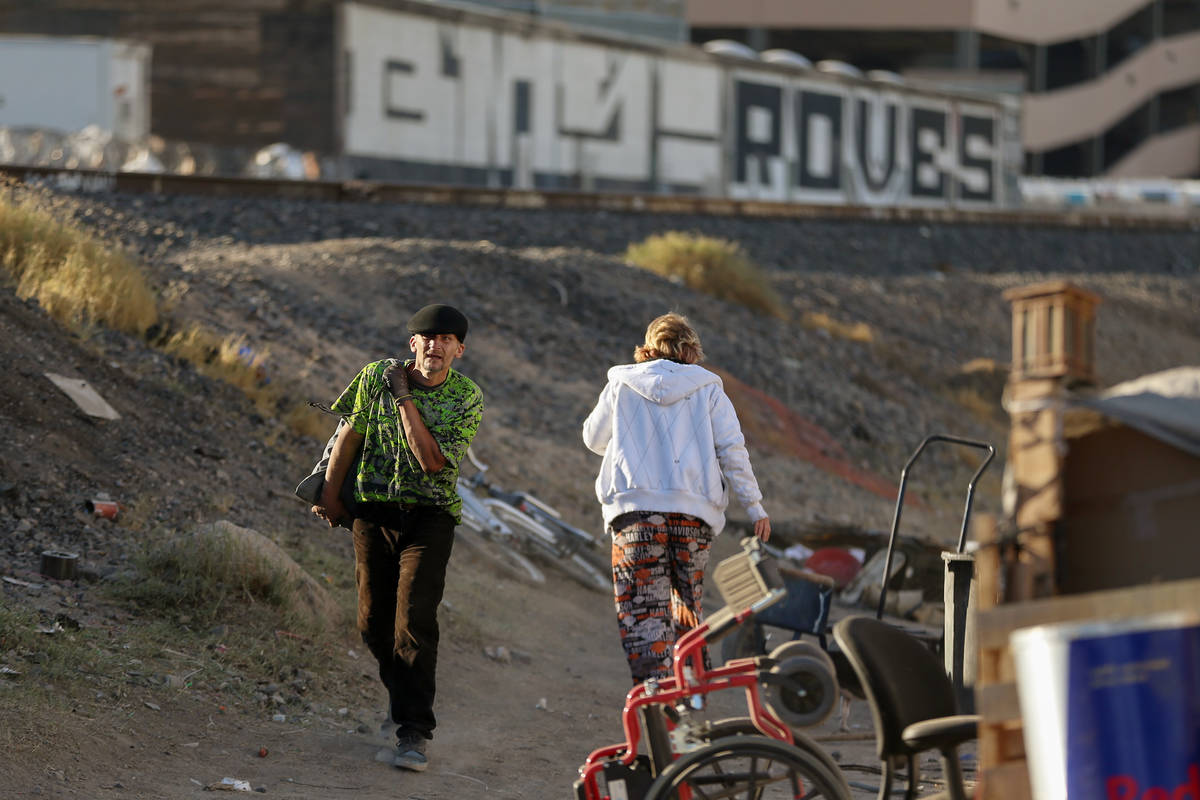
(661, 381)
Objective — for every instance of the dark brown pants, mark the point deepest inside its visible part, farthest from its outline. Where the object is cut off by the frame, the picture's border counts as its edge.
(400, 569)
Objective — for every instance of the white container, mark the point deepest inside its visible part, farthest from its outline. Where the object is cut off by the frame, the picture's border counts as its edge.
(1080, 671)
(65, 84)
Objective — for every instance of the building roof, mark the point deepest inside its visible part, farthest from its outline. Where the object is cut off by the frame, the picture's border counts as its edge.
(1165, 405)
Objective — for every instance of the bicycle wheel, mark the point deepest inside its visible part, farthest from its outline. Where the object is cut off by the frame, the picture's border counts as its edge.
(500, 556)
(586, 573)
(749, 768)
(542, 542)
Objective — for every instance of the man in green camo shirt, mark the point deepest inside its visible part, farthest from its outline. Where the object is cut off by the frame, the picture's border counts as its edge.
(413, 423)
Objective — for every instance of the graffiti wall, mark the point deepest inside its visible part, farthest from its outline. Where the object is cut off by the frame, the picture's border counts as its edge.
(475, 100)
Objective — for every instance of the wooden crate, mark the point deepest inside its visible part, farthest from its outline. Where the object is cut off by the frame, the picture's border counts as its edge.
(1003, 774)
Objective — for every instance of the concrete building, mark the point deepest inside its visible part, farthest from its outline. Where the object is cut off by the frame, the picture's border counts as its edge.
(1110, 87)
(654, 19)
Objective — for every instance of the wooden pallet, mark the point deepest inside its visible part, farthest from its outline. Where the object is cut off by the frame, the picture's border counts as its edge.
(1003, 774)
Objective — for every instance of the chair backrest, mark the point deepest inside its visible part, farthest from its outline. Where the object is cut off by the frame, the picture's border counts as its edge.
(903, 680)
(806, 607)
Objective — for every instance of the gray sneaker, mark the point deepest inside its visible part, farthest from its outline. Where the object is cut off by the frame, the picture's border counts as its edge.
(408, 753)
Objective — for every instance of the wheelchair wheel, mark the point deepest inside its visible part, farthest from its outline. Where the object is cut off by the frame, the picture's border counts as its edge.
(801, 648)
(749, 768)
(801, 690)
(744, 641)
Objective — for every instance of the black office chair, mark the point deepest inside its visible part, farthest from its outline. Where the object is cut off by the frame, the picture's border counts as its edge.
(912, 701)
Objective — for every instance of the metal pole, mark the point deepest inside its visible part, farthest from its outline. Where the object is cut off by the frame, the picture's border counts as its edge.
(937, 437)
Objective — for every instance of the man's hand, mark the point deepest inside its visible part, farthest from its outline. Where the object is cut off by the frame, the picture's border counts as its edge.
(331, 509)
(395, 378)
(762, 529)
(331, 514)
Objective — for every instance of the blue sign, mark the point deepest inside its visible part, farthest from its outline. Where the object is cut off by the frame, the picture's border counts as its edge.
(1133, 716)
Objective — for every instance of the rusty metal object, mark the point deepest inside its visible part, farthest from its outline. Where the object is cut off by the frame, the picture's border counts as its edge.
(59, 565)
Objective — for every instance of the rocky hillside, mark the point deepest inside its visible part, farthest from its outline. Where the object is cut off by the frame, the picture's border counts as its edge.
(323, 288)
(894, 331)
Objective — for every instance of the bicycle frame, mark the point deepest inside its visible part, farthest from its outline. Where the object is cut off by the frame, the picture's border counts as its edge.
(689, 679)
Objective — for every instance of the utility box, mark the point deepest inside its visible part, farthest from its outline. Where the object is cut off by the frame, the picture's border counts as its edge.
(66, 84)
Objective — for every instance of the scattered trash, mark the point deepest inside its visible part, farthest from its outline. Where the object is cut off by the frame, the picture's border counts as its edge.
(51, 629)
(88, 399)
(798, 552)
(106, 509)
(67, 622)
(173, 681)
(58, 565)
(229, 785)
(262, 752)
(8, 672)
(19, 582)
(279, 718)
(151, 706)
(836, 563)
(542, 705)
(500, 654)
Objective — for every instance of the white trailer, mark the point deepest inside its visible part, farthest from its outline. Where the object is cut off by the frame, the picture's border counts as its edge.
(65, 84)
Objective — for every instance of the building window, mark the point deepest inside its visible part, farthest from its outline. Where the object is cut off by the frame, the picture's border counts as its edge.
(1069, 63)
(1179, 107)
(1180, 16)
(1129, 36)
(1126, 134)
(1069, 161)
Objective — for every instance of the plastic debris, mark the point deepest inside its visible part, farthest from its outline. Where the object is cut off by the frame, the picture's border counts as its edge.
(501, 654)
(230, 785)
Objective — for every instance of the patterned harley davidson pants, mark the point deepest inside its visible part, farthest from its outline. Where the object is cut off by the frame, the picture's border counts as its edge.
(658, 577)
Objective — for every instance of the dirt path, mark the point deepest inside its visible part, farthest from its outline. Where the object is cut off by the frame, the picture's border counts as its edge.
(507, 730)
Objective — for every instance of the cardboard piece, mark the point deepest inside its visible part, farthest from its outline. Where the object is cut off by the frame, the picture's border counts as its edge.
(88, 400)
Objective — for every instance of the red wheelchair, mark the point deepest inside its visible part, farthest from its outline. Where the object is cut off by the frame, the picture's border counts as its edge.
(671, 752)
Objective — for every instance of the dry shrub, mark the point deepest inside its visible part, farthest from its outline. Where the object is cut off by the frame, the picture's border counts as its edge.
(76, 279)
(229, 359)
(856, 332)
(221, 567)
(714, 266)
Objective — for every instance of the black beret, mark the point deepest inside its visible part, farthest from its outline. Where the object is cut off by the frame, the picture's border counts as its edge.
(437, 318)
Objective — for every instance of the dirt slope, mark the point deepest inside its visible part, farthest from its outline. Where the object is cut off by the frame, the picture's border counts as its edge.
(325, 288)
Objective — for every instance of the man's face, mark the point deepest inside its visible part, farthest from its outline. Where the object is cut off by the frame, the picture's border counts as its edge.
(435, 352)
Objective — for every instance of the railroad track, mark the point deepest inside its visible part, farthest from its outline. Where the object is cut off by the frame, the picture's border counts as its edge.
(93, 181)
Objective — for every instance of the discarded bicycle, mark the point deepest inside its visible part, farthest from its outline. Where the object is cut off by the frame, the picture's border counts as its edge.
(523, 524)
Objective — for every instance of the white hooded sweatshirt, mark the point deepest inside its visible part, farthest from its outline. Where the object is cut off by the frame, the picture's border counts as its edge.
(668, 434)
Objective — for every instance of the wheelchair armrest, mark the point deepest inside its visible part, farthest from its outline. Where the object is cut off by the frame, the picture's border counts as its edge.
(941, 732)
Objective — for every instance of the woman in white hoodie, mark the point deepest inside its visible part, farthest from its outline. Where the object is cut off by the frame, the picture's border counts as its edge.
(673, 449)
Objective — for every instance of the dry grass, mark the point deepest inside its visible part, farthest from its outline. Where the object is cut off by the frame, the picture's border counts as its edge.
(855, 332)
(714, 266)
(229, 359)
(75, 278)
